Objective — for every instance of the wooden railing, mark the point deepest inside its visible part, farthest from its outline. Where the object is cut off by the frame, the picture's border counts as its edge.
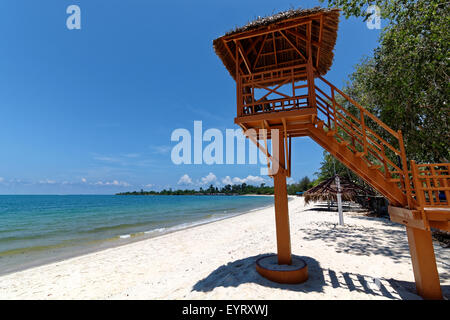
(247, 84)
(354, 127)
(431, 184)
(364, 134)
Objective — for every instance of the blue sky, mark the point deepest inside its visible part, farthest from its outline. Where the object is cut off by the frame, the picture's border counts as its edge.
(91, 111)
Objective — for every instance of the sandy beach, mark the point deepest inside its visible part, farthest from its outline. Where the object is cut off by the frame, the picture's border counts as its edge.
(368, 258)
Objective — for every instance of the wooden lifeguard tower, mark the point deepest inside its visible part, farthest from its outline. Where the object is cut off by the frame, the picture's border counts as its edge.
(278, 64)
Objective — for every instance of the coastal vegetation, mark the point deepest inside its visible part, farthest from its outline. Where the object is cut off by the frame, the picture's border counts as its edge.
(235, 189)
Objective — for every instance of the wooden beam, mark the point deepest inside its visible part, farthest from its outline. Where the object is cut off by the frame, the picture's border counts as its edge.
(260, 50)
(320, 40)
(274, 48)
(405, 217)
(310, 71)
(251, 34)
(272, 91)
(260, 147)
(283, 232)
(229, 50)
(292, 45)
(302, 37)
(424, 264)
(274, 115)
(263, 123)
(252, 45)
(244, 57)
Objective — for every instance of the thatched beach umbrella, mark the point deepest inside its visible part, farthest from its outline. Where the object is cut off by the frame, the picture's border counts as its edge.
(327, 191)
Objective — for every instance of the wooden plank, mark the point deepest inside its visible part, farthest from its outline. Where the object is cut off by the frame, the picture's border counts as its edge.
(274, 48)
(293, 45)
(382, 124)
(424, 263)
(229, 51)
(440, 225)
(320, 40)
(276, 115)
(244, 57)
(259, 51)
(302, 37)
(405, 217)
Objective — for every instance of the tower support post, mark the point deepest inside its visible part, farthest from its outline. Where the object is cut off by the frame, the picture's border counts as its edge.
(281, 206)
(424, 263)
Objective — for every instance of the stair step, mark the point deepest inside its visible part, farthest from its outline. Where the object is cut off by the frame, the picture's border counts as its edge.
(331, 133)
(375, 167)
(360, 154)
(394, 180)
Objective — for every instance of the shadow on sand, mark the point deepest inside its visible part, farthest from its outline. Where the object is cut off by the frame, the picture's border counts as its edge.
(363, 241)
(243, 271)
(320, 207)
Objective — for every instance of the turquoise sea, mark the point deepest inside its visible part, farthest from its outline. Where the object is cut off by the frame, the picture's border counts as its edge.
(40, 229)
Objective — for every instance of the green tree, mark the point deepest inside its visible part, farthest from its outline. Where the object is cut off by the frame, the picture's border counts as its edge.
(406, 81)
(330, 166)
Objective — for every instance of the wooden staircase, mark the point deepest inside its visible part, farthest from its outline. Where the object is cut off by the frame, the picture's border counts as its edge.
(418, 194)
(369, 172)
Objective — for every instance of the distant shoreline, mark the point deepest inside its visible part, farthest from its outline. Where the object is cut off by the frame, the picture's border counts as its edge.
(198, 194)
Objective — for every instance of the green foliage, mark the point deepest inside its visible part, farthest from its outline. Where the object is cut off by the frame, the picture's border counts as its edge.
(330, 166)
(406, 81)
(237, 189)
(304, 184)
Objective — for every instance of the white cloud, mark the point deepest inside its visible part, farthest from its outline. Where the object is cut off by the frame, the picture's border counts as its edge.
(227, 180)
(254, 180)
(161, 149)
(47, 181)
(132, 155)
(185, 179)
(107, 159)
(2, 179)
(149, 185)
(83, 180)
(115, 183)
(210, 178)
(249, 180)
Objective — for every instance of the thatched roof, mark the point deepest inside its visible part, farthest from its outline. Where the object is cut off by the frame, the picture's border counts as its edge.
(323, 41)
(327, 190)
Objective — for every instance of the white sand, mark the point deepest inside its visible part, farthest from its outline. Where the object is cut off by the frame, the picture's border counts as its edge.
(216, 261)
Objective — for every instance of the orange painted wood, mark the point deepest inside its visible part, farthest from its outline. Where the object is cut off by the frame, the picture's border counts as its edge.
(415, 195)
(281, 209)
(424, 263)
(360, 167)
